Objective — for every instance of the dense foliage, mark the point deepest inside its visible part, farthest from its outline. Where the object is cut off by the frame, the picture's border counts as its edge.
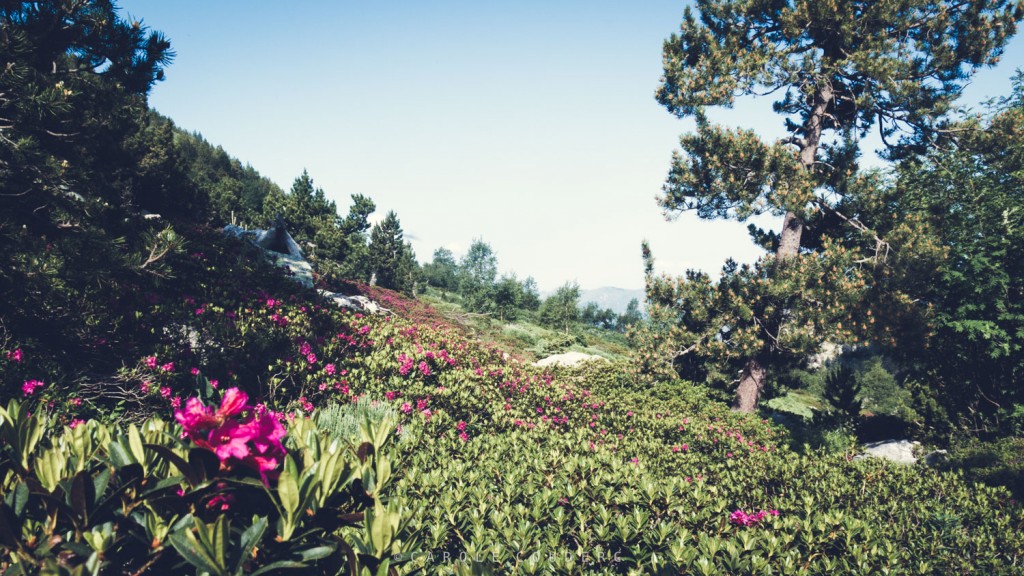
(840, 69)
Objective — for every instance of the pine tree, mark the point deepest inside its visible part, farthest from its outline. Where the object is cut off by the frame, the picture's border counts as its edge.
(392, 261)
(841, 68)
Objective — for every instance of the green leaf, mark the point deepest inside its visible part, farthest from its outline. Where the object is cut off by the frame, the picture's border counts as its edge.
(193, 553)
(249, 540)
(177, 461)
(20, 498)
(280, 565)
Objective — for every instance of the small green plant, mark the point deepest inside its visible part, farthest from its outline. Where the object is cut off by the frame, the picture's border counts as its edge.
(343, 421)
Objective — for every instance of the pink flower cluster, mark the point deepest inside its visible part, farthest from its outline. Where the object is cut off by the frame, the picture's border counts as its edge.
(235, 431)
(741, 518)
(30, 386)
(14, 356)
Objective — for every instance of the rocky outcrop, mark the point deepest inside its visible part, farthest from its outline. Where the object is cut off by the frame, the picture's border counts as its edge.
(359, 303)
(279, 247)
(898, 451)
(568, 359)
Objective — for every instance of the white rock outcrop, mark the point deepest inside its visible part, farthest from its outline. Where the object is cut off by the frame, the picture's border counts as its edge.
(569, 359)
(898, 451)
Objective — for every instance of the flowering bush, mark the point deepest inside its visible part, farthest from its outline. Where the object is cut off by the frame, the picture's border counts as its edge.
(255, 440)
(161, 498)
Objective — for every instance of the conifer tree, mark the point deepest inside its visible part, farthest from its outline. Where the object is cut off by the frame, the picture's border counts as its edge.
(840, 68)
(391, 258)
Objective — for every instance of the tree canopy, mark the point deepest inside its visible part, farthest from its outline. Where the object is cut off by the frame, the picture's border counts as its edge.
(839, 69)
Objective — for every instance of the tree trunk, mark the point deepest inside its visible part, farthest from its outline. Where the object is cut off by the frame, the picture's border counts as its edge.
(753, 378)
(751, 385)
(789, 240)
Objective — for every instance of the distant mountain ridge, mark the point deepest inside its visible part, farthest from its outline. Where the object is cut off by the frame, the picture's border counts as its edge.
(611, 297)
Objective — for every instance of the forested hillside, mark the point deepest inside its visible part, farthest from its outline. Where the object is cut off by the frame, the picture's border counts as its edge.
(173, 402)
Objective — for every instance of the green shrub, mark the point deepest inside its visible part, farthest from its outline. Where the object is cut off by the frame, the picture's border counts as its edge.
(996, 463)
(100, 499)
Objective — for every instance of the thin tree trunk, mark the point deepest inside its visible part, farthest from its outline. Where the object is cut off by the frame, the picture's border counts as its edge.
(751, 384)
(754, 374)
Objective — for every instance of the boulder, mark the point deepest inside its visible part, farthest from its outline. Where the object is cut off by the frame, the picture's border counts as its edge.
(360, 303)
(899, 451)
(568, 359)
(936, 457)
(277, 239)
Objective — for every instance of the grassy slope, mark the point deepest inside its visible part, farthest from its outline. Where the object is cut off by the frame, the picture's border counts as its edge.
(525, 335)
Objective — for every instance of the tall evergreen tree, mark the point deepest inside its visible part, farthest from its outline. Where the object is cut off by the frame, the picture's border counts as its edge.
(73, 83)
(392, 261)
(531, 294)
(841, 68)
(508, 297)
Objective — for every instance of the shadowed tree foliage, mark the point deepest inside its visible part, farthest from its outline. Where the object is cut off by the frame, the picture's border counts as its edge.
(949, 304)
(838, 69)
(442, 272)
(391, 258)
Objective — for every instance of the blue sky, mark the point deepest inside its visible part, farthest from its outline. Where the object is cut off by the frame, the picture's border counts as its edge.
(529, 124)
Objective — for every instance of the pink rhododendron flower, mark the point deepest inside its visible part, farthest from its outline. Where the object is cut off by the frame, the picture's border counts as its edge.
(330, 369)
(176, 402)
(231, 440)
(232, 403)
(30, 386)
(311, 358)
(424, 368)
(463, 436)
(406, 408)
(214, 384)
(151, 362)
(221, 502)
(169, 367)
(194, 371)
(741, 518)
(460, 426)
(235, 431)
(75, 423)
(165, 392)
(14, 356)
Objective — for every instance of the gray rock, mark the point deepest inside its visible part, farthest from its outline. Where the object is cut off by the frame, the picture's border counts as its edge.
(302, 271)
(899, 451)
(935, 457)
(360, 303)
